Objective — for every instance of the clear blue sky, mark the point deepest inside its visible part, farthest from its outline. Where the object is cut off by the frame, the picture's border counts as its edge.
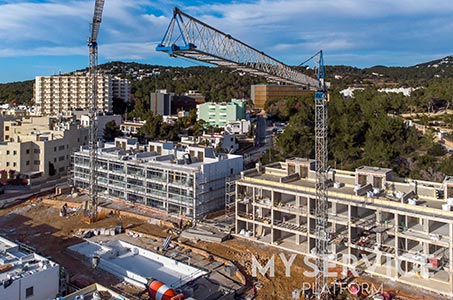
(47, 37)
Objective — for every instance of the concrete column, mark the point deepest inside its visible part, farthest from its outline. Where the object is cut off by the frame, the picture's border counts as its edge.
(379, 221)
(397, 260)
(349, 228)
(253, 200)
(274, 236)
(272, 198)
(425, 224)
(308, 224)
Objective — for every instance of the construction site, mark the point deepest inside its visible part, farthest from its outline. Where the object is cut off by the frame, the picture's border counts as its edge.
(160, 222)
(210, 258)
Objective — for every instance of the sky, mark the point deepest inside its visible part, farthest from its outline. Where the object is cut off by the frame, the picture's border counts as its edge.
(47, 37)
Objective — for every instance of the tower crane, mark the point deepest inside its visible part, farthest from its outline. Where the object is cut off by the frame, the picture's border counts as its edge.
(93, 113)
(191, 38)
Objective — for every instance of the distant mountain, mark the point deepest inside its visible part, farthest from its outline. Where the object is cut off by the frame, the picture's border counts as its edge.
(382, 75)
(221, 84)
(16, 93)
(446, 62)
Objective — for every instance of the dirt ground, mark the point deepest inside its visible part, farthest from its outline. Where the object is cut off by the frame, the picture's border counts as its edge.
(41, 227)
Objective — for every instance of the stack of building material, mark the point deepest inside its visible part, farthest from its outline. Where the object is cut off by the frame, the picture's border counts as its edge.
(204, 235)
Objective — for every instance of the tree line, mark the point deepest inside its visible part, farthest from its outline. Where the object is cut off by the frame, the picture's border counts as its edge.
(365, 130)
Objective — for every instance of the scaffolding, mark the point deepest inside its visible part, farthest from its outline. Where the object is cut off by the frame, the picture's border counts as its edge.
(230, 192)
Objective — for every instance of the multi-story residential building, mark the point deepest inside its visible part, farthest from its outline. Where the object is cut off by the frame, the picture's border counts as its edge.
(131, 127)
(161, 102)
(226, 142)
(238, 127)
(121, 88)
(260, 93)
(26, 275)
(39, 147)
(220, 114)
(186, 181)
(62, 94)
(397, 228)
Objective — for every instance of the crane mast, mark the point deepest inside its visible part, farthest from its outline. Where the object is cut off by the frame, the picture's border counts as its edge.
(321, 165)
(93, 53)
(190, 38)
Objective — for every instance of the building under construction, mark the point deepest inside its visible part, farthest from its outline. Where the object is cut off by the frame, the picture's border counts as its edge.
(184, 181)
(392, 227)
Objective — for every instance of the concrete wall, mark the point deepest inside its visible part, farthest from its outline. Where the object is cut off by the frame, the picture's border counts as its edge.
(45, 286)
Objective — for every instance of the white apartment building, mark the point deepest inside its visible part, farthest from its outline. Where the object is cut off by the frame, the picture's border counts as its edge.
(131, 127)
(238, 127)
(227, 142)
(181, 181)
(121, 88)
(39, 147)
(25, 275)
(62, 94)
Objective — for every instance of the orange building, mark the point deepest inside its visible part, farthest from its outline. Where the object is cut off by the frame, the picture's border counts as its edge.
(262, 92)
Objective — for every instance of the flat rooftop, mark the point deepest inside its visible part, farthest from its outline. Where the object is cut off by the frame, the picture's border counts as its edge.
(373, 170)
(89, 292)
(427, 203)
(136, 264)
(19, 263)
(167, 161)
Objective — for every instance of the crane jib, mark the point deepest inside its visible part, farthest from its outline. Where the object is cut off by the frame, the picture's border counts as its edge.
(190, 38)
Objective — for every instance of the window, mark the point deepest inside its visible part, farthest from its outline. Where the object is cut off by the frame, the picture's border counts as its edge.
(6, 128)
(14, 152)
(61, 169)
(61, 158)
(7, 163)
(36, 162)
(27, 163)
(27, 151)
(7, 152)
(29, 292)
(54, 149)
(14, 164)
(36, 151)
(60, 148)
(6, 137)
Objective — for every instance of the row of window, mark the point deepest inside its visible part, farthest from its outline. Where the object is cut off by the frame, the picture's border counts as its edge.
(27, 163)
(27, 151)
